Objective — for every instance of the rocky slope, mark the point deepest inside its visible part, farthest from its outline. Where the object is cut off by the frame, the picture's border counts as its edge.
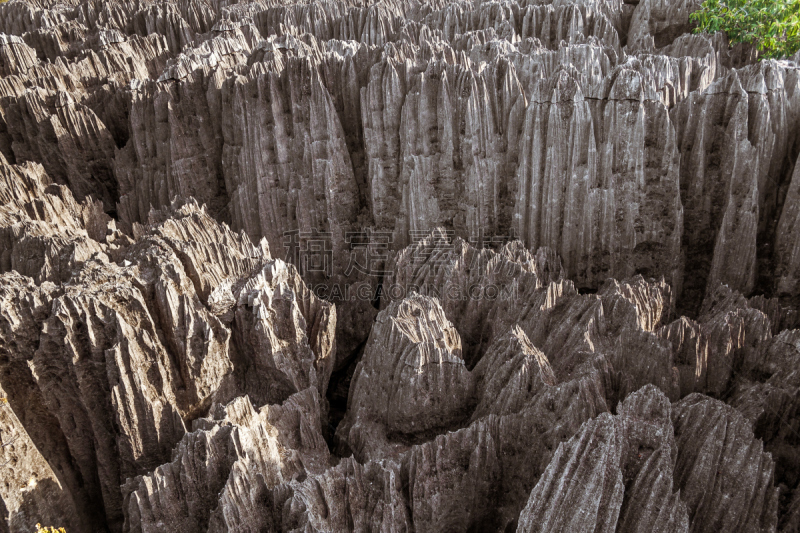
(395, 265)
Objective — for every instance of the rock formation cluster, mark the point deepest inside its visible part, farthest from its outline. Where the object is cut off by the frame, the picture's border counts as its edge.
(395, 265)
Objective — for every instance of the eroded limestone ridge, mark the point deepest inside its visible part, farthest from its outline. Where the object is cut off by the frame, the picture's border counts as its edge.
(396, 266)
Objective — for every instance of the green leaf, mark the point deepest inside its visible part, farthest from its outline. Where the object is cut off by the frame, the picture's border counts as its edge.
(772, 26)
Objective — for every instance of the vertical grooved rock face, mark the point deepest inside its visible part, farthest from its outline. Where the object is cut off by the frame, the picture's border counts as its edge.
(615, 475)
(724, 474)
(451, 479)
(621, 167)
(349, 496)
(115, 411)
(286, 146)
(787, 253)
(475, 478)
(734, 141)
(734, 331)
(691, 349)
(439, 140)
(16, 57)
(483, 292)
(603, 483)
(656, 24)
(44, 231)
(212, 255)
(448, 266)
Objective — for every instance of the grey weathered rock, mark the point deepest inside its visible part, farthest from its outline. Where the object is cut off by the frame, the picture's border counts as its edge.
(786, 252)
(273, 445)
(165, 355)
(45, 232)
(477, 477)
(735, 141)
(615, 475)
(284, 335)
(482, 291)
(608, 219)
(510, 373)
(31, 488)
(411, 380)
(240, 242)
(724, 475)
(656, 23)
(16, 56)
(622, 471)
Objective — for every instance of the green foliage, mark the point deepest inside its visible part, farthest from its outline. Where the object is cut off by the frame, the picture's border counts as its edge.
(773, 26)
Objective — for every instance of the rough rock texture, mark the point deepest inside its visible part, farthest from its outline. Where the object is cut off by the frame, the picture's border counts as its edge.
(658, 467)
(120, 358)
(31, 489)
(411, 379)
(716, 449)
(615, 475)
(277, 443)
(395, 265)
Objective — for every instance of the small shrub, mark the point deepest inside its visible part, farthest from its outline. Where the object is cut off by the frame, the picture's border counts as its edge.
(48, 529)
(773, 26)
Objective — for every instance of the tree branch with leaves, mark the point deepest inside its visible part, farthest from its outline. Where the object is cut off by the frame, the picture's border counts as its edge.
(772, 26)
